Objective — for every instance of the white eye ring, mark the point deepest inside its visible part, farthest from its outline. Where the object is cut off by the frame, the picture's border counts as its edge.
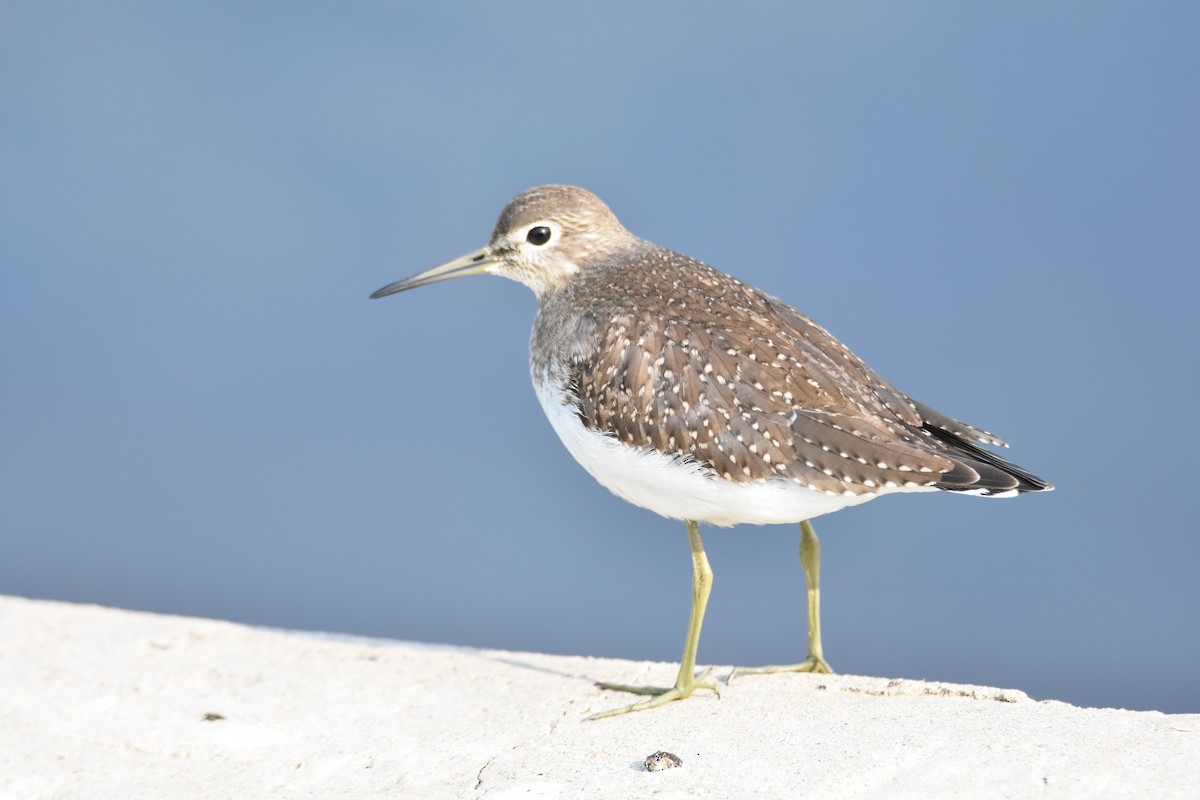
(541, 233)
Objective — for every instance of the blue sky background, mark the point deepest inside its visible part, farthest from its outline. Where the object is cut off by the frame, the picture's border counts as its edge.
(996, 205)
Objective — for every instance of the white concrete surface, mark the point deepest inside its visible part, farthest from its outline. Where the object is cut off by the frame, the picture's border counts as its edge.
(103, 703)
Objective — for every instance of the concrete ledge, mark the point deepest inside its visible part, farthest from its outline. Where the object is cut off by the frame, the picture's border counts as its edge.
(103, 703)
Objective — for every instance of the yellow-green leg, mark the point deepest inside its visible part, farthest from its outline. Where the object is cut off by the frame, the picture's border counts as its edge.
(686, 682)
(810, 559)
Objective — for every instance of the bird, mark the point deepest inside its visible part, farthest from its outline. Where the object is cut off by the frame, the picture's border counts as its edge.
(694, 395)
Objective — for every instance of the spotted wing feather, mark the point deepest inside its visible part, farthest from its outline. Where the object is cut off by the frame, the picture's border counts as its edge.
(690, 362)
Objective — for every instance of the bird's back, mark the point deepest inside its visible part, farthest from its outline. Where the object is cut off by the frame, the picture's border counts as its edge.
(666, 354)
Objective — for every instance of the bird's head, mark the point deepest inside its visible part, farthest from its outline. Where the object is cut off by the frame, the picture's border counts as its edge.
(543, 238)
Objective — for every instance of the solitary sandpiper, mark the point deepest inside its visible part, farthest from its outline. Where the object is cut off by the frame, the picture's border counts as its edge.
(687, 392)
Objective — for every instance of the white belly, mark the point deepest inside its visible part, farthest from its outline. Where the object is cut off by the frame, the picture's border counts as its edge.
(676, 489)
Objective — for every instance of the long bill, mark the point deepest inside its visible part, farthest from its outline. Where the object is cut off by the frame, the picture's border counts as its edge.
(471, 264)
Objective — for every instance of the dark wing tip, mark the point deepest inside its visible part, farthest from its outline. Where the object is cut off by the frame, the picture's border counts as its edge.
(979, 471)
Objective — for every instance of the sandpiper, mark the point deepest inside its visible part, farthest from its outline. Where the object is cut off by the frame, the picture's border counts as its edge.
(687, 392)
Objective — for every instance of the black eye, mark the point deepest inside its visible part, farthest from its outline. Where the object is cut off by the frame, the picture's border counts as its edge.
(539, 235)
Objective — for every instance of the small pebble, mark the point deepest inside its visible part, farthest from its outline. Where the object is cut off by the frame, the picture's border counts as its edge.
(656, 762)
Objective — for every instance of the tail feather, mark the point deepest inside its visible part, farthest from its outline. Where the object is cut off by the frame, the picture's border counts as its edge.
(979, 471)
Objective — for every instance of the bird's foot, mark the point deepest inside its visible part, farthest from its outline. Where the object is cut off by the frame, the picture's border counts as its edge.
(810, 664)
(659, 696)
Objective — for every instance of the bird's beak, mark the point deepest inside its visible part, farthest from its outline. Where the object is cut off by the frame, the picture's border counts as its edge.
(470, 264)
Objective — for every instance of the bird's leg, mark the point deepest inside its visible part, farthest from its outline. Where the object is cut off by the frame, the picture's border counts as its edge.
(686, 682)
(810, 559)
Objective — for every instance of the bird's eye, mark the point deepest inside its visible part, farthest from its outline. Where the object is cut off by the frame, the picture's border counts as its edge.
(539, 235)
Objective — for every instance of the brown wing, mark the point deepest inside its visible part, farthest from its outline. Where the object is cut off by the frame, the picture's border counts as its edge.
(701, 366)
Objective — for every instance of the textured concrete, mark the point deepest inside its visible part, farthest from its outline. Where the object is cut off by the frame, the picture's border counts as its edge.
(103, 703)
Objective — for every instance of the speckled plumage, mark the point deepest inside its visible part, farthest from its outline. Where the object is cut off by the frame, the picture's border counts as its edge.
(665, 353)
(694, 395)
